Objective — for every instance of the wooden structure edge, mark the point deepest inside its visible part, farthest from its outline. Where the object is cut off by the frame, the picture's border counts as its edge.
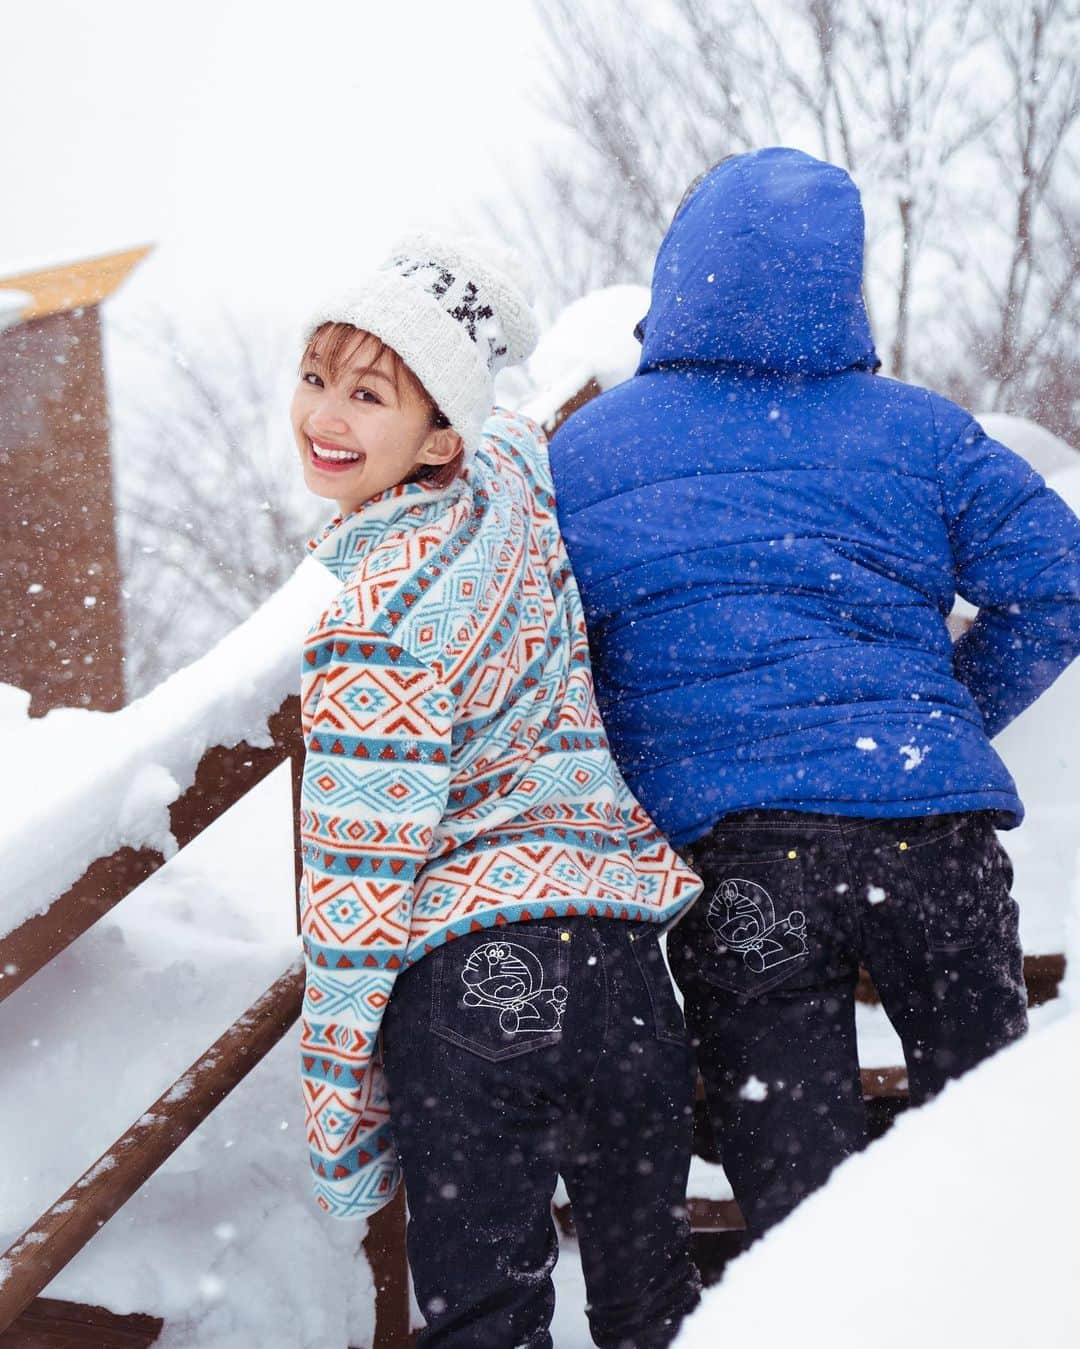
(74, 285)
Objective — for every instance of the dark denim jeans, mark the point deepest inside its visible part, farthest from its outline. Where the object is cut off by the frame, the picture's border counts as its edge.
(516, 1055)
(768, 961)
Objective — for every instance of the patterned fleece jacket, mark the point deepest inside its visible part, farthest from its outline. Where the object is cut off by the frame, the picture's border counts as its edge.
(457, 775)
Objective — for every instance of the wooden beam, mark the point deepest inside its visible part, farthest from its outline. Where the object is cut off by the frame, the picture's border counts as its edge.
(1043, 976)
(65, 1228)
(75, 285)
(884, 1082)
(584, 395)
(51, 1324)
(61, 610)
(714, 1215)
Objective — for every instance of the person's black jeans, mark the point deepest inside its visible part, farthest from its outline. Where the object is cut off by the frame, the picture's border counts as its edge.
(768, 962)
(516, 1055)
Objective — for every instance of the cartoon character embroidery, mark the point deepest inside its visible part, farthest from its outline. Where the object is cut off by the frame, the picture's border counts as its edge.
(506, 976)
(743, 917)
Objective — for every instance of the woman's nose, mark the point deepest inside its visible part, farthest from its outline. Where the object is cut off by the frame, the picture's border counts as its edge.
(328, 416)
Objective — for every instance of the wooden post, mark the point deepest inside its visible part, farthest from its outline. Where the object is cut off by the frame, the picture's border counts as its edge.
(384, 1247)
(61, 622)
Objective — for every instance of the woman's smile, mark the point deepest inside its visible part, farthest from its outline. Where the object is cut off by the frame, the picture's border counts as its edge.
(333, 458)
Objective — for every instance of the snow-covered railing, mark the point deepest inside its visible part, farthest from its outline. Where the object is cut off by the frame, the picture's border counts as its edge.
(222, 776)
(100, 802)
(68, 1224)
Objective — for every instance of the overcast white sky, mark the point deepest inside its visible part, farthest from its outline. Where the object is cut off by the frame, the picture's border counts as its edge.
(264, 145)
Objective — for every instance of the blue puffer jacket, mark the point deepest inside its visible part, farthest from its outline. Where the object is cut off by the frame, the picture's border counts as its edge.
(768, 537)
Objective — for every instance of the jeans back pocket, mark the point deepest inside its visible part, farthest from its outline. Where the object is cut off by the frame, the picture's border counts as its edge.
(747, 933)
(957, 877)
(501, 996)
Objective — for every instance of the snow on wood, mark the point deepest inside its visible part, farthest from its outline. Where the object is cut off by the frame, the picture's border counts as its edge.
(593, 338)
(12, 305)
(81, 784)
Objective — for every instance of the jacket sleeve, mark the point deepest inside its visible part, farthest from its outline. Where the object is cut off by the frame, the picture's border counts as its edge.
(1016, 554)
(378, 728)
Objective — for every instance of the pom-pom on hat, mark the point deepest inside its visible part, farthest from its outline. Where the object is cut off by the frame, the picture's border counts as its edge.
(455, 311)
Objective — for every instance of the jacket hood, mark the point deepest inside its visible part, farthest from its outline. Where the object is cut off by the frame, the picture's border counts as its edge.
(762, 266)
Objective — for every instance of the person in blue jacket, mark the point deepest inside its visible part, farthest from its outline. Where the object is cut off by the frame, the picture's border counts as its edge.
(768, 538)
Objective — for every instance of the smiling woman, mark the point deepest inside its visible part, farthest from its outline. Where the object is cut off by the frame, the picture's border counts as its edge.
(459, 805)
(363, 421)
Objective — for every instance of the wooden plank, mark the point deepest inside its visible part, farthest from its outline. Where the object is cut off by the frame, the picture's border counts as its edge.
(51, 1324)
(706, 1215)
(74, 285)
(584, 395)
(384, 1246)
(1043, 976)
(714, 1215)
(223, 776)
(65, 1228)
(884, 1082)
(226, 773)
(103, 885)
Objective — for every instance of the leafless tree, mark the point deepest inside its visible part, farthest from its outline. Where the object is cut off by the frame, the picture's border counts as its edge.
(1027, 325)
(645, 101)
(211, 515)
(920, 99)
(889, 91)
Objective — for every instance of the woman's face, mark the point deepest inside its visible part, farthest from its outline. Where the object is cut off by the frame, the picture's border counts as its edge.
(361, 432)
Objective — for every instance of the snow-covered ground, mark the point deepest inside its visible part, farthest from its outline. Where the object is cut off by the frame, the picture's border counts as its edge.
(958, 1228)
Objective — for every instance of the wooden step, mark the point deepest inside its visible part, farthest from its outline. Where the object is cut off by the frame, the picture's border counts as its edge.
(51, 1324)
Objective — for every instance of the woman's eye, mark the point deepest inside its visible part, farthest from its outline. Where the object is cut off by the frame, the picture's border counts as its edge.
(366, 396)
(312, 378)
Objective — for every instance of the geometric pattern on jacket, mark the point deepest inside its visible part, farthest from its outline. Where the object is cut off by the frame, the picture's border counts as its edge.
(457, 774)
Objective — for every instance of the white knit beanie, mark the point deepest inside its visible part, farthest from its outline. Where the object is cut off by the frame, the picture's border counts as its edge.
(455, 311)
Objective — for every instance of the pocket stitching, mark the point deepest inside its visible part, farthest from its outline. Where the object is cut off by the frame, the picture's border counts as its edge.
(663, 1034)
(444, 1001)
(935, 838)
(784, 970)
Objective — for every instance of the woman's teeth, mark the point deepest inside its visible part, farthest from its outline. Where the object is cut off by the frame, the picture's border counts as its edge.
(338, 456)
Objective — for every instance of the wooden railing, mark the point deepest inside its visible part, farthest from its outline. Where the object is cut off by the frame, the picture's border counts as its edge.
(223, 776)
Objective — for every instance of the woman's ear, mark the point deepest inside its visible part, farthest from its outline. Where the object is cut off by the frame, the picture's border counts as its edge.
(442, 445)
